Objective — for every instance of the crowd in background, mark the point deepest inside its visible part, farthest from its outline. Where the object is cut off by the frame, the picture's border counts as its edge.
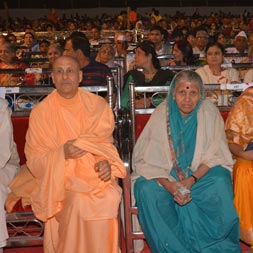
(132, 20)
(176, 25)
(184, 39)
(206, 42)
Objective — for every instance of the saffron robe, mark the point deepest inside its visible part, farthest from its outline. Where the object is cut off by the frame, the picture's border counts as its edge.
(78, 208)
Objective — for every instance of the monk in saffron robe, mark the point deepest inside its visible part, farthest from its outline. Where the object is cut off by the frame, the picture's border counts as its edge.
(70, 153)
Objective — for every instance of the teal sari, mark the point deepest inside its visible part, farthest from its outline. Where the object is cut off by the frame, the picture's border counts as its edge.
(207, 224)
(182, 131)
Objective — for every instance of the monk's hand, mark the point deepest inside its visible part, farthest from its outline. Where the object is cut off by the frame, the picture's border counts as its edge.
(104, 170)
(71, 151)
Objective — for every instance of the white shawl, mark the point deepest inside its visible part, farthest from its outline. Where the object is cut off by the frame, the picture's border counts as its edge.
(152, 156)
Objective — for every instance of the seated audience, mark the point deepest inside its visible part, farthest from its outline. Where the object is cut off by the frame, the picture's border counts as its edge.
(43, 46)
(201, 43)
(214, 73)
(191, 38)
(240, 47)
(9, 165)
(239, 133)
(121, 44)
(248, 78)
(94, 73)
(221, 39)
(249, 59)
(183, 54)
(106, 55)
(250, 46)
(2, 38)
(162, 47)
(12, 39)
(182, 172)
(130, 37)
(95, 35)
(54, 51)
(121, 50)
(240, 44)
(9, 61)
(148, 73)
(30, 44)
(77, 195)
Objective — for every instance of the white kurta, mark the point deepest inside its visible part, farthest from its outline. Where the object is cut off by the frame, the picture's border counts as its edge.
(248, 78)
(9, 163)
(152, 155)
(227, 76)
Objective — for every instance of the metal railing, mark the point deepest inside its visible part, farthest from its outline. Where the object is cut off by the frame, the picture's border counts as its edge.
(223, 96)
(27, 92)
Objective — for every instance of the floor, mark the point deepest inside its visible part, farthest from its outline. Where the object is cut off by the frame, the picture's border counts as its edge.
(147, 250)
(24, 250)
(40, 250)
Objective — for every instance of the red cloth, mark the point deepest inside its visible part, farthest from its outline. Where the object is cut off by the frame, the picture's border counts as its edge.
(20, 125)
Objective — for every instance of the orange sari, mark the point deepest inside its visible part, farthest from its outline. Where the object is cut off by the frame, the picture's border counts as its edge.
(239, 130)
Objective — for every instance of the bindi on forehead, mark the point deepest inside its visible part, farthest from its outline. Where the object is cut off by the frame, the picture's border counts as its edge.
(187, 85)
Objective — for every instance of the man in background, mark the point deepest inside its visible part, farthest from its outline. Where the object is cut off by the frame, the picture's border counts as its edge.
(94, 73)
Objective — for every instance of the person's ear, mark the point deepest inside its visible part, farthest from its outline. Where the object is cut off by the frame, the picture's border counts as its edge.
(80, 76)
(52, 76)
(79, 53)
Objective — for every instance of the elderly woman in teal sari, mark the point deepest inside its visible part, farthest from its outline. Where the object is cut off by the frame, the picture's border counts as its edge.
(182, 175)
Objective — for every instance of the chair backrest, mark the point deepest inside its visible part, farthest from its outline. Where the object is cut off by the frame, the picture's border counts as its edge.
(138, 120)
(20, 126)
(118, 80)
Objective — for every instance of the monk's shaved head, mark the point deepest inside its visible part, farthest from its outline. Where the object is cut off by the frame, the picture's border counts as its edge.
(67, 57)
